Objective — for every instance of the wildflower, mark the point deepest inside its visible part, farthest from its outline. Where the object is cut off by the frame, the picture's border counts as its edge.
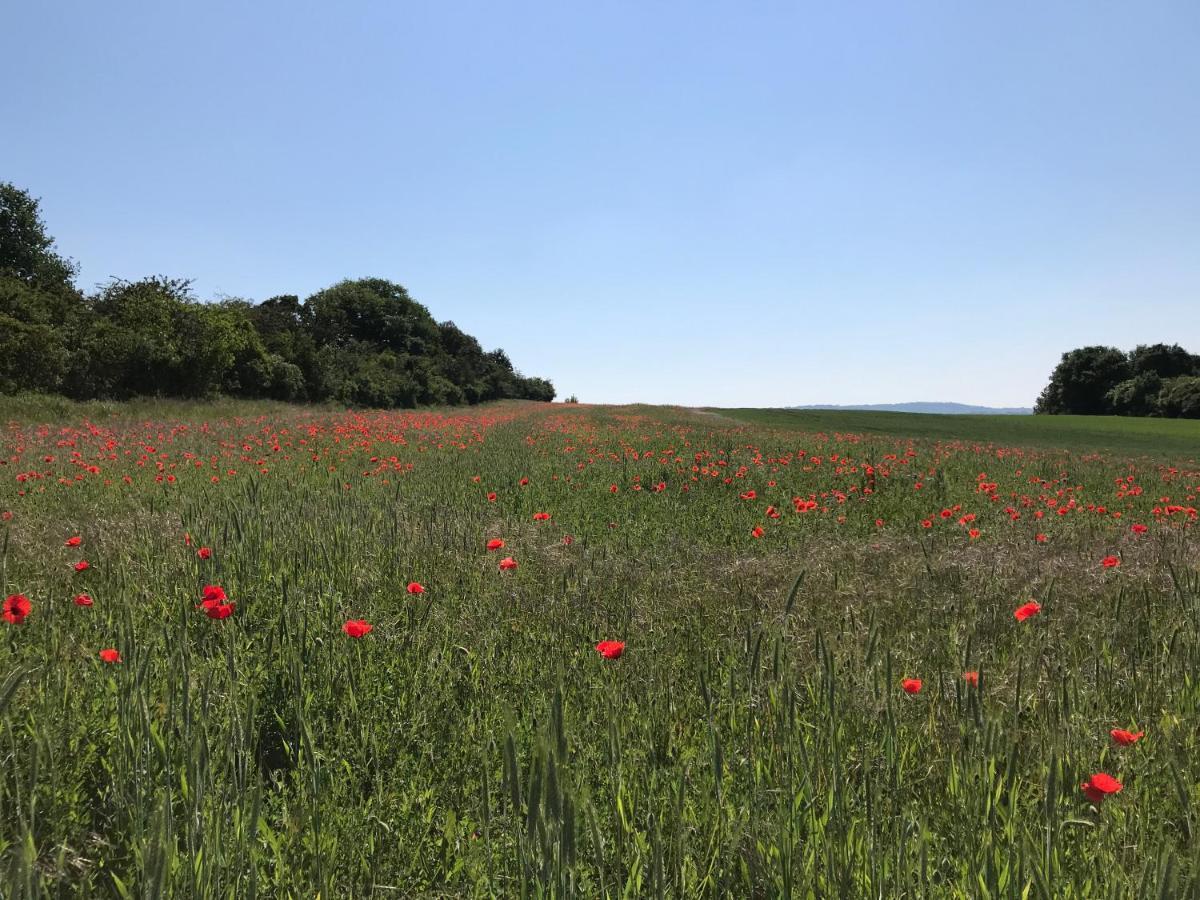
(748, 495)
(973, 533)
(1100, 786)
(541, 516)
(82, 566)
(415, 587)
(82, 600)
(1123, 738)
(757, 532)
(16, 608)
(611, 649)
(1110, 562)
(491, 496)
(220, 610)
(110, 655)
(1138, 528)
(1024, 612)
(568, 540)
(507, 564)
(495, 544)
(971, 678)
(356, 628)
(911, 685)
(1040, 538)
(73, 541)
(927, 523)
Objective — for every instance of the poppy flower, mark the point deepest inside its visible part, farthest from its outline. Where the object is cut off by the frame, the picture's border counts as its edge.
(1138, 528)
(1110, 562)
(879, 523)
(491, 496)
(927, 523)
(1123, 738)
(507, 564)
(495, 544)
(82, 566)
(73, 541)
(973, 533)
(568, 540)
(220, 610)
(971, 678)
(16, 608)
(83, 600)
(204, 553)
(356, 628)
(415, 587)
(214, 593)
(1040, 538)
(748, 495)
(523, 482)
(541, 516)
(110, 655)
(757, 532)
(911, 685)
(1024, 612)
(1100, 786)
(611, 649)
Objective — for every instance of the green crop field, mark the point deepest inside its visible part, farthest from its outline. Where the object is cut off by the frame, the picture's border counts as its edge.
(525, 650)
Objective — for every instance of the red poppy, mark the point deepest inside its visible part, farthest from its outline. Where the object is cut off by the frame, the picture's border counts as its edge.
(73, 541)
(1124, 738)
(971, 678)
(541, 516)
(1100, 786)
(204, 553)
(491, 496)
(568, 540)
(356, 628)
(973, 533)
(879, 523)
(911, 685)
(507, 564)
(1110, 562)
(1029, 609)
(1138, 528)
(1040, 538)
(611, 649)
(927, 523)
(415, 587)
(748, 495)
(523, 482)
(83, 600)
(82, 566)
(110, 655)
(214, 594)
(17, 608)
(757, 532)
(220, 610)
(495, 544)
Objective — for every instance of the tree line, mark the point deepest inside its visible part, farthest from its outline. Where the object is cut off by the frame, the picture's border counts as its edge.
(361, 342)
(1150, 380)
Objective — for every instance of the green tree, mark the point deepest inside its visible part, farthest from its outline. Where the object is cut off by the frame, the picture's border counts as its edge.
(1136, 396)
(1180, 397)
(1082, 380)
(1163, 360)
(26, 250)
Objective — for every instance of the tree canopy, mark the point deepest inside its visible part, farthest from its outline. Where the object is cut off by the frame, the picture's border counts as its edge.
(361, 342)
(1150, 380)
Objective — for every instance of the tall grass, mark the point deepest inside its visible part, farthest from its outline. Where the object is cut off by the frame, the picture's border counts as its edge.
(752, 740)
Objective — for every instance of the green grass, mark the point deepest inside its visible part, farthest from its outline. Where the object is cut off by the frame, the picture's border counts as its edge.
(753, 740)
(1176, 438)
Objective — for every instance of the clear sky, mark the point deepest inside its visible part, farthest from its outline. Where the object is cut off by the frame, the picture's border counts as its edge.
(731, 204)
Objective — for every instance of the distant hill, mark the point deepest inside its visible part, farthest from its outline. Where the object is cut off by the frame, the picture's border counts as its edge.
(959, 409)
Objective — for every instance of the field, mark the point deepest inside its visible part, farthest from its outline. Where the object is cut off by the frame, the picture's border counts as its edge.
(858, 655)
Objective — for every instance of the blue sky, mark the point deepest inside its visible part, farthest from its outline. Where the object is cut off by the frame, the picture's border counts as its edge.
(699, 203)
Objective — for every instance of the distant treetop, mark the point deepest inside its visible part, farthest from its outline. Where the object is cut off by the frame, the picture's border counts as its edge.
(1150, 380)
(362, 343)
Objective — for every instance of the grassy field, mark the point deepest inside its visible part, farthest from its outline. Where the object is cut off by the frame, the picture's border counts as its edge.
(823, 687)
(1175, 438)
